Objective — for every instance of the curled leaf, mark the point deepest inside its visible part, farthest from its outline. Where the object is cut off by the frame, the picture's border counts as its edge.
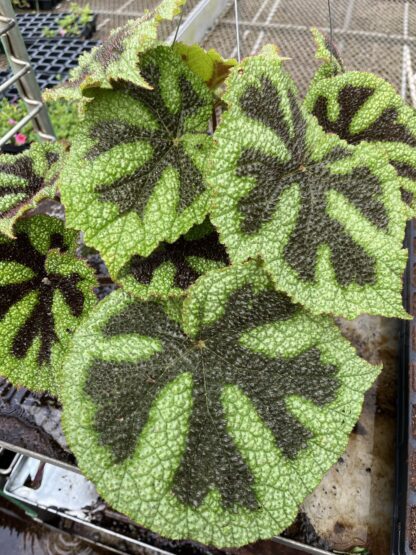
(327, 218)
(44, 291)
(25, 180)
(135, 174)
(117, 59)
(215, 429)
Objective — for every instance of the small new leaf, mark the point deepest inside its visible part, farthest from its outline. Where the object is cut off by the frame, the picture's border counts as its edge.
(363, 107)
(327, 218)
(135, 174)
(216, 429)
(209, 65)
(117, 59)
(172, 268)
(327, 54)
(44, 291)
(25, 180)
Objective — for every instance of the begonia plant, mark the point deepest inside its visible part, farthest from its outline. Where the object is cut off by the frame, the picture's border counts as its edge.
(210, 393)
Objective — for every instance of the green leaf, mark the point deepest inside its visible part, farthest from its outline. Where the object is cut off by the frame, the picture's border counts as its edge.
(135, 174)
(117, 59)
(172, 268)
(26, 179)
(327, 54)
(326, 217)
(218, 432)
(363, 107)
(209, 65)
(44, 291)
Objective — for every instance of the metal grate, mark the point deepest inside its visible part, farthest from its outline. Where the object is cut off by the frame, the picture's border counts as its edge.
(371, 35)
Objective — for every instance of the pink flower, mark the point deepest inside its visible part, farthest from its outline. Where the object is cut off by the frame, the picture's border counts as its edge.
(20, 139)
(62, 32)
(11, 121)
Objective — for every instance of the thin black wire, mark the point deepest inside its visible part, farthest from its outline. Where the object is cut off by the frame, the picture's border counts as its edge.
(330, 28)
(177, 29)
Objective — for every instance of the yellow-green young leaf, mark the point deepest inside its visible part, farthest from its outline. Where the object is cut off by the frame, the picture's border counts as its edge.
(44, 291)
(172, 268)
(327, 54)
(26, 179)
(209, 65)
(117, 59)
(135, 173)
(326, 217)
(215, 430)
(363, 107)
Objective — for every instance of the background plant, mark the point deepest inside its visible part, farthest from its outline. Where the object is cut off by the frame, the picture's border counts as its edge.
(63, 116)
(21, 4)
(72, 23)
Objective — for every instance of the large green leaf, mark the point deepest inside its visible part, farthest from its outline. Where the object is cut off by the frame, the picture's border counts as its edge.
(26, 179)
(44, 291)
(363, 107)
(117, 59)
(218, 432)
(134, 177)
(327, 218)
(172, 268)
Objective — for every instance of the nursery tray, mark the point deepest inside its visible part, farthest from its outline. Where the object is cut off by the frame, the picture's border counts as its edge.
(45, 81)
(51, 60)
(11, 93)
(58, 56)
(31, 26)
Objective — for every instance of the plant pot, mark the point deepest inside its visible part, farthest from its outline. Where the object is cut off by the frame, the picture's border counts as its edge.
(14, 149)
(43, 4)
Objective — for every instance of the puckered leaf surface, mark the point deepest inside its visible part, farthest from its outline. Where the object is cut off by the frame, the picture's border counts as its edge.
(26, 179)
(217, 429)
(172, 268)
(363, 107)
(44, 291)
(135, 175)
(117, 59)
(327, 218)
(209, 65)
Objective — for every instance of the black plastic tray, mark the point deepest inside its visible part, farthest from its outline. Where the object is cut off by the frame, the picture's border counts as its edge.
(10, 94)
(45, 81)
(58, 56)
(31, 26)
(51, 61)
